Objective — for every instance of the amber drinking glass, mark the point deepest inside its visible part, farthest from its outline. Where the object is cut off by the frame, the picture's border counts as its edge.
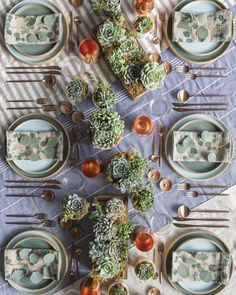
(143, 125)
(91, 168)
(89, 51)
(144, 239)
(90, 287)
(143, 6)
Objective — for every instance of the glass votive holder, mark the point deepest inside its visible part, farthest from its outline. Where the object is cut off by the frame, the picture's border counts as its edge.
(89, 51)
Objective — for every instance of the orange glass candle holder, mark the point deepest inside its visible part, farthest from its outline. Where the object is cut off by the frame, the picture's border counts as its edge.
(142, 125)
(91, 168)
(89, 51)
(143, 6)
(144, 240)
(90, 287)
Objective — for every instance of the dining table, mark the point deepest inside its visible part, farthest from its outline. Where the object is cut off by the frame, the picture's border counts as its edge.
(164, 202)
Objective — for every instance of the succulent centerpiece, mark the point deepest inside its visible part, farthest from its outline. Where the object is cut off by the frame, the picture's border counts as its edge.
(125, 56)
(145, 270)
(143, 24)
(109, 250)
(74, 207)
(112, 6)
(77, 89)
(103, 96)
(118, 288)
(143, 198)
(106, 128)
(126, 170)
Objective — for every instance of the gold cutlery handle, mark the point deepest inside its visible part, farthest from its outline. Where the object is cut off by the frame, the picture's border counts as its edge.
(18, 215)
(33, 186)
(209, 186)
(202, 225)
(45, 72)
(22, 222)
(210, 211)
(22, 81)
(213, 194)
(35, 68)
(198, 109)
(54, 181)
(209, 95)
(207, 68)
(201, 219)
(176, 104)
(211, 76)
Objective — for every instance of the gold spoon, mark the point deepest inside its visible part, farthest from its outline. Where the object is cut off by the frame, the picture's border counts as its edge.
(155, 39)
(48, 81)
(184, 96)
(77, 20)
(184, 211)
(154, 156)
(47, 195)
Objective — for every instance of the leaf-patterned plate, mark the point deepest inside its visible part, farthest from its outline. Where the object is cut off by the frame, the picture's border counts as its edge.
(194, 241)
(44, 168)
(39, 239)
(196, 171)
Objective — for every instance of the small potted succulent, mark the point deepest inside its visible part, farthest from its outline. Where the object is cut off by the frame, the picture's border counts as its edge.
(143, 198)
(106, 128)
(77, 89)
(118, 288)
(126, 170)
(152, 75)
(112, 6)
(143, 25)
(145, 270)
(103, 96)
(74, 207)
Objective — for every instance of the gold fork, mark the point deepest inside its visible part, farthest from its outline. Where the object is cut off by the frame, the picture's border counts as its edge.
(161, 134)
(36, 216)
(46, 223)
(45, 108)
(162, 17)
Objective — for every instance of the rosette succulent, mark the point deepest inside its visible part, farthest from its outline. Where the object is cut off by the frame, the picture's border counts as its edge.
(143, 24)
(115, 208)
(118, 289)
(128, 45)
(106, 128)
(126, 170)
(108, 268)
(104, 229)
(117, 61)
(74, 207)
(104, 96)
(143, 198)
(152, 75)
(132, 72)
(77, 89)
(145, 270)
(109, 32)
(112, 6)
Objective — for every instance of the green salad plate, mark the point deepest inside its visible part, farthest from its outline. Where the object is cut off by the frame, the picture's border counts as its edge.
(193, 242)
(39, 239)
(38, 54)
(197, 171)
(196, 53)
(43, 168)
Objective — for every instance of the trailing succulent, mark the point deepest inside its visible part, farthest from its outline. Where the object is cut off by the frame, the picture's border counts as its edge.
(106, 128)
(74, 207)
(143, 198)
(77, 89)
(109, 250)
(112, 6)
(152, 75)
(143, 24)
(145, 270)
(118, 289)
(126, 170)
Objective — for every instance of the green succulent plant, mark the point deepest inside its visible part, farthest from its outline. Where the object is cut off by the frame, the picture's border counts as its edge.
(115, 208)
(132, 72)
(118, 289)
(125, 230)
(109, 32)
(128, 45)
(152, 75)
(74, 207)
(77, 89)
(105, 229)
(108, 268)
(143, 24)
(126, 170)
(106, 128)
(143, 198)
(117, 61)
(145, 270)
(112, 6)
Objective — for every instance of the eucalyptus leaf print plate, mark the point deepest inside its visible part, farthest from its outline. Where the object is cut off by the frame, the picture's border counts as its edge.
(40, 53)
(42, 168)
(199, 171)
(196, 241)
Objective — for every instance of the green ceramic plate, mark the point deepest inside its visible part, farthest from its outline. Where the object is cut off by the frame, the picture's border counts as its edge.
(44, 168)
(39, 239)
(188, 56)
(38, 54)
(196, 171)
(194, 241)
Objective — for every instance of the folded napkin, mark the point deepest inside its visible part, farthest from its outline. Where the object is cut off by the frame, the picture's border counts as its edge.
(34, 146)
(35, 264)
(201, 266)
(201, 147)
(43, 29)
(203, 27)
